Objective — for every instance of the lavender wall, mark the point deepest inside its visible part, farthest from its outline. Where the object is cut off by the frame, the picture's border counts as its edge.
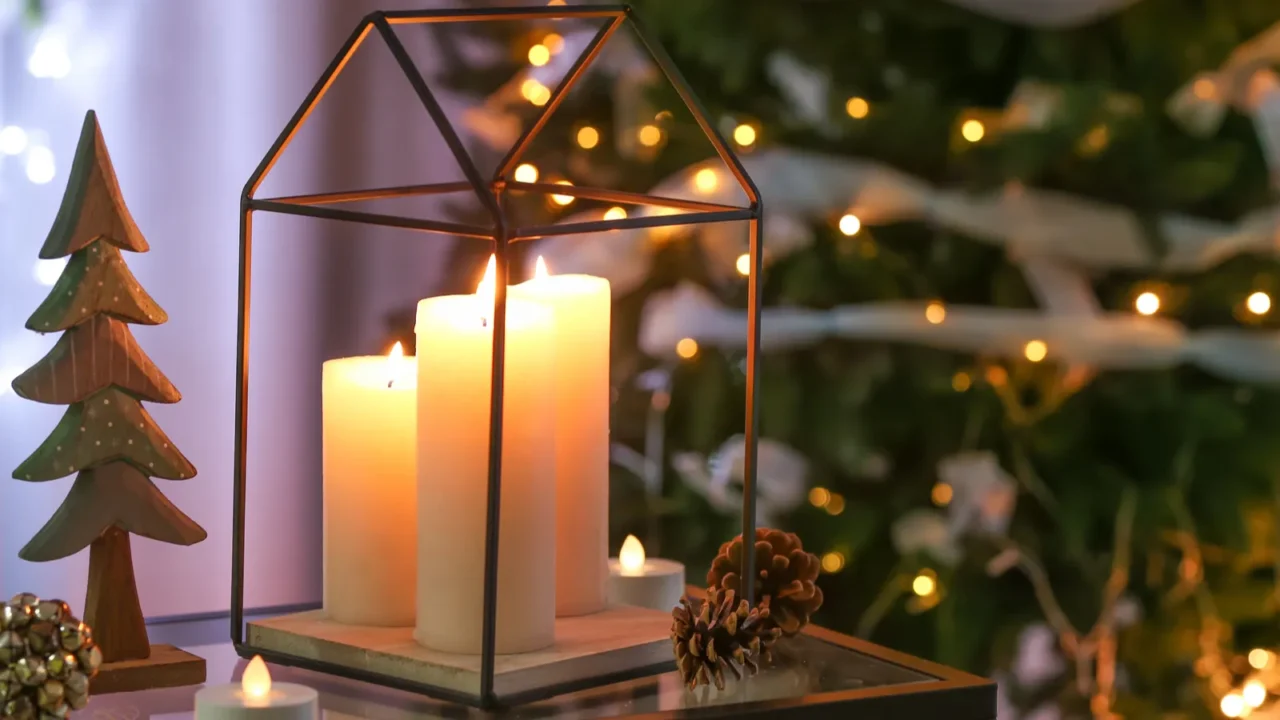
(190, 94)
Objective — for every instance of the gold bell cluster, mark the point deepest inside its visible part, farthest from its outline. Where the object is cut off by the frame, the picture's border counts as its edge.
(47, 656)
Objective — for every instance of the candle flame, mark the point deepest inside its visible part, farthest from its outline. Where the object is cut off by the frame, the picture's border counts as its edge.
(486, 289)
(540, 268)
(631, 557)
(395, 360)
(256, 682)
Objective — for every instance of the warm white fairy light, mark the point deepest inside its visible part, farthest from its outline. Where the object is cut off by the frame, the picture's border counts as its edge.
(1035, 350)
(1259, 658)
(649, 135)
(1148, 303)
(615, 213)
(744, 135)
(1259, 303)
(49, 58)
(563, 200)
(1232, 704)
(833, 562)
(553, 42)
(857, 108)
(539, 55)
(1254, 693)
(743, 264)
(925, 584)
(850, 224)
(13, 140)
(935, 313)
(687, 348)
(706, 180)
(527, 173)
(587, 137)
(973, 130)
(40, 165)
(535, 92)
(46, 272)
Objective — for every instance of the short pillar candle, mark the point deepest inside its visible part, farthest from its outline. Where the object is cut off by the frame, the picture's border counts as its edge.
(255, 697)
(370, 489)
(644, 582)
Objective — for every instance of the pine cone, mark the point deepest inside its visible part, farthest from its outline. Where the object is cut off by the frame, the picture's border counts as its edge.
(719, 636)
(785, 576)
(46, 659)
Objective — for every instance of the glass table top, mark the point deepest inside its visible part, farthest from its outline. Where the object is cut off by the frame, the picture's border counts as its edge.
(802, 666)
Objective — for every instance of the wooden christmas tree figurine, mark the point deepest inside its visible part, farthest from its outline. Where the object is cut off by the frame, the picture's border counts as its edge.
(106, 437)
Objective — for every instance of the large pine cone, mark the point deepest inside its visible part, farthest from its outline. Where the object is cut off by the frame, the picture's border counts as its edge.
(719, 636)
(785, 576)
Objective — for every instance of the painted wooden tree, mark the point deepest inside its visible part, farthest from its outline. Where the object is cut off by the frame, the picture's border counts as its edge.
(106, 437)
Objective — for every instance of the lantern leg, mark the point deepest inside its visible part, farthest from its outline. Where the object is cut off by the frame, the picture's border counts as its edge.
(752, 439)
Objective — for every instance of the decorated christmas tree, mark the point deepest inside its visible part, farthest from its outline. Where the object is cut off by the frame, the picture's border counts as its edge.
(1020, 357)
(106, 437)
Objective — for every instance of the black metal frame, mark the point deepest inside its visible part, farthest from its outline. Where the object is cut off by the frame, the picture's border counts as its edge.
(491, 196)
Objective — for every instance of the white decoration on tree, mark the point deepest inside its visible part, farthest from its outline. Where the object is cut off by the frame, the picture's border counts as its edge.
(780, 478)
(984, 495)
(924, 531)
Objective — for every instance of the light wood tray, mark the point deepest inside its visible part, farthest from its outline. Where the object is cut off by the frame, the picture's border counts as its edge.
(616, 640)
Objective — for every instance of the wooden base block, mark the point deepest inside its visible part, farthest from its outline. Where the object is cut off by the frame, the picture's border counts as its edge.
(616, 640)
(167, 667)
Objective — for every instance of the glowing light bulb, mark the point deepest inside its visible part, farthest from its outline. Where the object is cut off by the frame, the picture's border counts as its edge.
(1232, 704)
(1204, 89)
(13, 140)
(527, 173)
(615, 213)
(706, 180)
(1035, 350)
(835, 505)
(1148, 303)
(819, 497)
(1259, 658)
(973, 130)
(941, 494)
(631, 556)
(256, 681)
(540, 269)
(743, 264)
(649, 135)
(562, 200)
(924, 584)
(1259, 303)
(554, 42)
(40, 165)
(539, 55)
(935, 313)
(857, 108)
(744, 135)
(49, 57)
(850, 224)
(833, 562)
(961, 381)
(687, 348)
(47, 272)
(588, 137)
(485, 291)
(1254, 693)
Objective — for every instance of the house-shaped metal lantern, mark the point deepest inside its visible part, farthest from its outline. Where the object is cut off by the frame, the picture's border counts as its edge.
(502, 234)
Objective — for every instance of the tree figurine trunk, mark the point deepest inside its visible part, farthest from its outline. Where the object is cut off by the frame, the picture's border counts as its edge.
(111, 607)
(106, 437)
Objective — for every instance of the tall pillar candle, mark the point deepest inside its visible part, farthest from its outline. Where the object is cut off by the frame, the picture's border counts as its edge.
(455, 351)
(581, 307)
(370, 490)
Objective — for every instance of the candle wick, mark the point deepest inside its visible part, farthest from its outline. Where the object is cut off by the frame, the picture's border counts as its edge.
(391, 382)
(484, 321)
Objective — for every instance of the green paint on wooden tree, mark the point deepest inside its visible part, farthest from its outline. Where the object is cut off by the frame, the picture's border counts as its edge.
(97, 281)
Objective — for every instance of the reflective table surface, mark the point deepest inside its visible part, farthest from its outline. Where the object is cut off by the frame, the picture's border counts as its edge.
(819, 674)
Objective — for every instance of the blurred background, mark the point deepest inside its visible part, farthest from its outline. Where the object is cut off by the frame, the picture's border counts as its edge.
(1020, 356)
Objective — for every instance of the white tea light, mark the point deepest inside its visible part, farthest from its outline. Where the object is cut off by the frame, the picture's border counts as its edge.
(257, 698)
(636, 580)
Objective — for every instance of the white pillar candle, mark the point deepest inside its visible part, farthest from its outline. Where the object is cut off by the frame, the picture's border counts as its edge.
(455, 352)
(255, 697)
(370, 489)
(581, 306)
(644, 582)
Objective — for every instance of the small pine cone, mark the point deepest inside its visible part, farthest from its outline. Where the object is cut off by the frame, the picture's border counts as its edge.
(785, 579)
(718, 636)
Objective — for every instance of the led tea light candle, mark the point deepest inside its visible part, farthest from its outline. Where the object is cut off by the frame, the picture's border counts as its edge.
(370, 489)
(637, 580)
(257, 698)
